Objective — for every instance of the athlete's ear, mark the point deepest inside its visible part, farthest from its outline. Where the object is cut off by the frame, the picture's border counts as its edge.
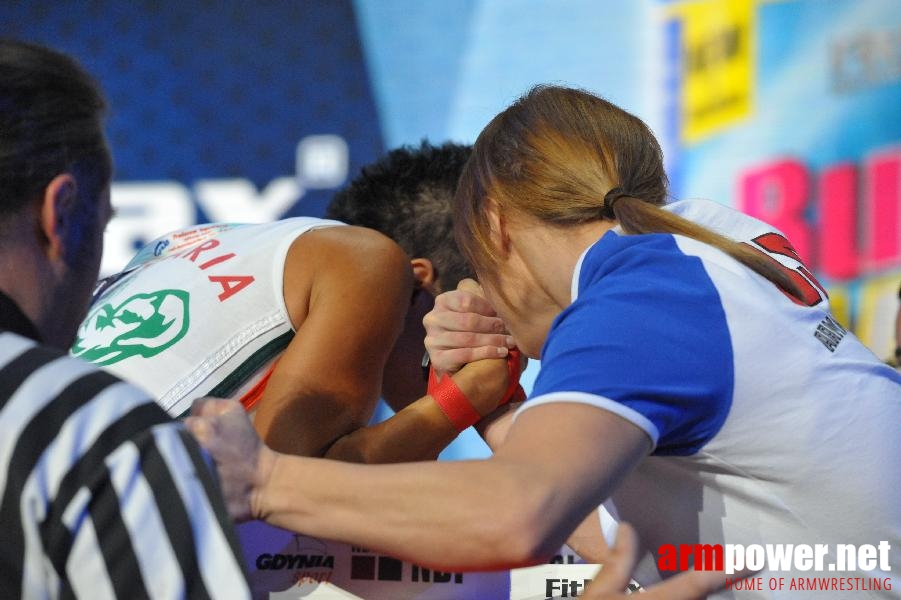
(425, 275)
(500, 238)
(55, 215)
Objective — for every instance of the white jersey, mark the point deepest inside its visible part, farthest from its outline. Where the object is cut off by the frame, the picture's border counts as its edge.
(197, 312)
(201, 312)
(770, 423)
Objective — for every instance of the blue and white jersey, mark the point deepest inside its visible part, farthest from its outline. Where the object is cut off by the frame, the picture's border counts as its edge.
(769, 422)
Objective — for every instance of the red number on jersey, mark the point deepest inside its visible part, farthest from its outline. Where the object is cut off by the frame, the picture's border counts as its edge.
(810, 288)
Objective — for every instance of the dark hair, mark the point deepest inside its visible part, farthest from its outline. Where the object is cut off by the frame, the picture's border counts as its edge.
(51, 113)
(408, 195)
(555, 154)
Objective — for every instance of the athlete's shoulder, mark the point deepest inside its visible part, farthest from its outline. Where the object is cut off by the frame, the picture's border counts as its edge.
(347, 261)
(627, 258)
(722, 219)
(363, 248)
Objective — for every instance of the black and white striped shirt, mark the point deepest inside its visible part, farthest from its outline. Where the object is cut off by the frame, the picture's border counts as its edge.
(102, 495)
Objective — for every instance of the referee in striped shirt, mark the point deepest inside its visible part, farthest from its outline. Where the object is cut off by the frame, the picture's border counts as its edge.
(101, 494)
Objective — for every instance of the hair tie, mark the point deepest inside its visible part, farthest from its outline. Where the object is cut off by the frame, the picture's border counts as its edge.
(610, 199)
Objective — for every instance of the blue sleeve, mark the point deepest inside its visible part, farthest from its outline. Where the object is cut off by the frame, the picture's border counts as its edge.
(647, 339)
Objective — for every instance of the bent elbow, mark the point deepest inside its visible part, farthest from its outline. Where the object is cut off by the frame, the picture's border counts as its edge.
(525, 536)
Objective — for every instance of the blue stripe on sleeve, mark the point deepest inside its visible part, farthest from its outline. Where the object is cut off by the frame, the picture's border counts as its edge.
(647, 331)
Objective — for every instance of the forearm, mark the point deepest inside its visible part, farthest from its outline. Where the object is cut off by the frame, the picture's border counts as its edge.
(513, 509)
(493, 428)
(418, 432)
(587, 539)
(421, 430)
(467, 515)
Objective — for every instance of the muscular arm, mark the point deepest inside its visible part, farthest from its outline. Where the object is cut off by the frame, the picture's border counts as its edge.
(556, 465)
(252, 474)
(588, 538)
(349, 292)
(460, 321)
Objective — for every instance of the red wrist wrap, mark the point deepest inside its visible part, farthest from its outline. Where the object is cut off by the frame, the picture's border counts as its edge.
(514, 392)
(452, 401)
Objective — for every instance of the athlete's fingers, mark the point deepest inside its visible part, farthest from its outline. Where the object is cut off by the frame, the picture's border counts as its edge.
(462, 327)
(439, 339)
(616, 572)
(224, 430)
(439, 319)
(216, 422)
(451, 361)
(461, 300)
(472, 286)
(450, 350)
(209, 406)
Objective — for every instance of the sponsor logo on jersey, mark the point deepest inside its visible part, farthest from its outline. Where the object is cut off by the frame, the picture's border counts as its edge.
(143, 325)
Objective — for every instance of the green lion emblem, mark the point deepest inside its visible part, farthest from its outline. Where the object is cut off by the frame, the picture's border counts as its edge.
(143, 325)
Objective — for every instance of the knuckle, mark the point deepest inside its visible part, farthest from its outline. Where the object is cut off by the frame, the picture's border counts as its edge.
(444, 301)
(471, 322)
(454, 358)
(468, 339)
(431, 343)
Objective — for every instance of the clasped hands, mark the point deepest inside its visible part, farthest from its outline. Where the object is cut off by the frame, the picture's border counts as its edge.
(461, 332)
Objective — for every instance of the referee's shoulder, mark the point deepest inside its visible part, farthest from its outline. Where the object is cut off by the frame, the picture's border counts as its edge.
(13, 346)
(34, 376)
